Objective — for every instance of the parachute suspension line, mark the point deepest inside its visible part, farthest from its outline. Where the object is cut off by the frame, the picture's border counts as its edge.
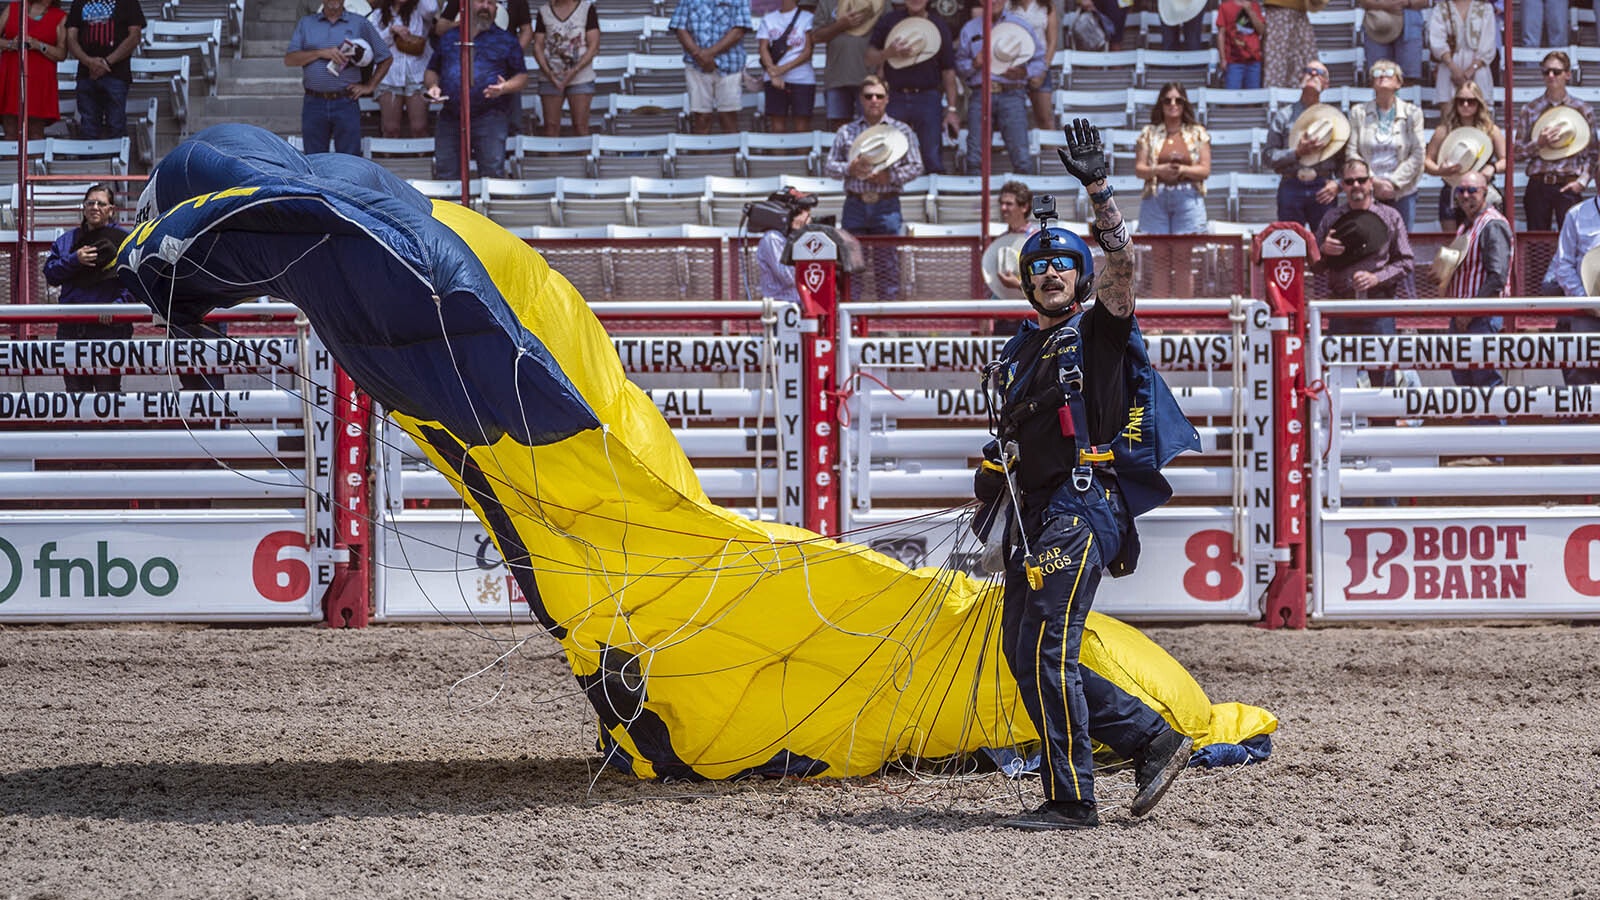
(501, 662)
(200, 267)
(769, 378)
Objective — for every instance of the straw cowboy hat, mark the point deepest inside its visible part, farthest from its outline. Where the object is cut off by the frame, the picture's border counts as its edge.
(919, 34)
(1589, 272)
(1572, 132)
(882, 145)
(1467, 146)
(1003, 256)
(1177, 12)
(1362, 232)
(874, 10)
(1449, 258)
(1010, 45)
(1383, 26)
(1323, 123)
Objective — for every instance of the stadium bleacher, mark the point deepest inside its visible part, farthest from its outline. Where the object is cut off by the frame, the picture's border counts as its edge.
(641, 160)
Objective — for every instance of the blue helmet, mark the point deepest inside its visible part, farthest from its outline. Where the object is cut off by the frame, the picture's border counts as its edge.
(1056, 241)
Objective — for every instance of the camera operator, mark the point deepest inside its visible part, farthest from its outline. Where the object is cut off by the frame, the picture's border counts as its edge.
(775, 278)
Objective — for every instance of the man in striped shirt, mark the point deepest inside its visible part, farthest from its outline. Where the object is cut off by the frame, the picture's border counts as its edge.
(1485, 269)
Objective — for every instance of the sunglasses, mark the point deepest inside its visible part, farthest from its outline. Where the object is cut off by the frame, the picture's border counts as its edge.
(1471, 100)
(1059, 263)
(1551, 73)
(1362, 180)
(1385, 73)
(865, 96)
(1319, 73)
(1467, 190)
(94, 204)
(1172, 101)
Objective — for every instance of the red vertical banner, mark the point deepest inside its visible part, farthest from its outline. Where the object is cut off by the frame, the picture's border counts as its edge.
(816, 277)
(349, 598)
(1281, 252)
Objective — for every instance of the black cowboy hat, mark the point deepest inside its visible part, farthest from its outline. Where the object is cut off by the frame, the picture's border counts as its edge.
(1362, 232)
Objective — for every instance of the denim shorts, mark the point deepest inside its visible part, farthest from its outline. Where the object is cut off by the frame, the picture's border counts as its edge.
(548, 89)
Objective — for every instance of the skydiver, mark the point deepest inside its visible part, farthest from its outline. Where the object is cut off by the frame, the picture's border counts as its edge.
(1083, 427)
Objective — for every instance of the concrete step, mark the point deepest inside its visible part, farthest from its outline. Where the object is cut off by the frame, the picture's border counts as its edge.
(258, 67)
(247, 108)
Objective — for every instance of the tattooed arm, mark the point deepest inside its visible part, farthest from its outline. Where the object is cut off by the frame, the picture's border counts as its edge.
(1114, 287)
(1085, 159)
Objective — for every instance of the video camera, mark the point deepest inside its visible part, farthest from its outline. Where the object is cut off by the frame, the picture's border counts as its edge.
(777, 211)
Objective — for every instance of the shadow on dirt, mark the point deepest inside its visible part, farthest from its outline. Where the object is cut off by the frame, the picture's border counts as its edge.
(300, 791)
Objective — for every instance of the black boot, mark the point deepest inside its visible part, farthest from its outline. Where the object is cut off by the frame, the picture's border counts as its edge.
(1157, 766)
(1056, 814)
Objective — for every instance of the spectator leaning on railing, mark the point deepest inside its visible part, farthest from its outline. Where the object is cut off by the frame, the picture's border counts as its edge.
(82, 263)
(103, 35)
(324, 47)
(45, 45)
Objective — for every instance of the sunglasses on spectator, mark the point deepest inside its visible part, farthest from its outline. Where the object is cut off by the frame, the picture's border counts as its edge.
(1385, 73)
(94, 204)
(1553, 72)
(1172, 101)
(1361, 180)
(866, 96)
(1467, 189)
(1059, 263)
(1472, 100)
(1312, 70)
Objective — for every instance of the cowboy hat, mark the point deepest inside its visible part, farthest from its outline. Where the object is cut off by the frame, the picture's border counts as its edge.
(919, 34)
(1383, 26)
(1002, 256)
(1177, 12)
(1572, 132)
(1010, 45)
(1448, 258)
(1589, 272)
(1362, 232)
(1467, 146)
(882, 145)
(873, 8)
(1325, 124)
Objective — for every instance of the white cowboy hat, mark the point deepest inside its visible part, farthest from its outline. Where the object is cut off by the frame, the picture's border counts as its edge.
(874, 10)
(1177, 12)
(1448, 258)
(918, 33)
(1467, 146)
(1323, 123)
(882, 145)
(1383, 26)
(1572, 132)
(1589, 272)
(1010, 45)
(1003, 257)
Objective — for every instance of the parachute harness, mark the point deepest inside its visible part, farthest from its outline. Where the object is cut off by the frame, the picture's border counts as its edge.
(1009, 453)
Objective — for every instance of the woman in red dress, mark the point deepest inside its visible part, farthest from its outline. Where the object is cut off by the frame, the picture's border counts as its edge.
(45, 41)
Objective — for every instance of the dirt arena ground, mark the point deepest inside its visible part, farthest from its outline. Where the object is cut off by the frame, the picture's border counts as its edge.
(177, 761)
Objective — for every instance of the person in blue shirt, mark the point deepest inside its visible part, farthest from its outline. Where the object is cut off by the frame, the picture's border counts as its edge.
(1009, 98)
(321, 48)
(498, 74)
(712, 32)
(82, 263)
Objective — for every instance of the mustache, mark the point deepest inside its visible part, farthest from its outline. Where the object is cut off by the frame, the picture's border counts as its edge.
(1052, 283)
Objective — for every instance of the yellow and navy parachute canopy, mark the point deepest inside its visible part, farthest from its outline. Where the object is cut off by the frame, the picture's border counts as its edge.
(710, 645)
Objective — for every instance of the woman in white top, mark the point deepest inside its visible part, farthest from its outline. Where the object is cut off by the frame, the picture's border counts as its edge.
(1045, 17)
(1462, 39)
(566, 37)
(404, 26)
(784, 38)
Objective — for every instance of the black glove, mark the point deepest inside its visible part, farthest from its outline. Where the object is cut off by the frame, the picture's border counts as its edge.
(1085, 156)
(988, 482)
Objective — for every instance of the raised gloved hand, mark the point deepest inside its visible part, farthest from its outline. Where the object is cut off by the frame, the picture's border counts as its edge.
(1085, 155)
